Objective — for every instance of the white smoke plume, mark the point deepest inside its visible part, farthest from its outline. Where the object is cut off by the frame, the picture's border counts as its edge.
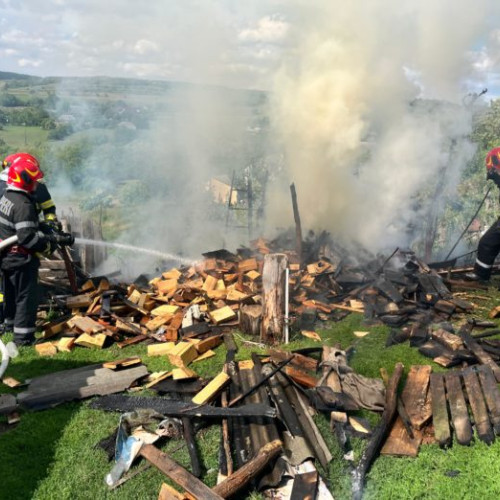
(357, 148)
(343, 79)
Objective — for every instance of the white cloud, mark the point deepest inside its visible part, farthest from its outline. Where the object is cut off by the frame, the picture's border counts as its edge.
(34, 63)
(144, 46)
(269, 29)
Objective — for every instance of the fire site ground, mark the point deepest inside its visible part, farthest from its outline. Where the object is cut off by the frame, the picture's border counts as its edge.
(285, 367)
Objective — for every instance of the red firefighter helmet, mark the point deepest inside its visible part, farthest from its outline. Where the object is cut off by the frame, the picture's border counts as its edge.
(15, 157)
(493, 161)
(23, 174)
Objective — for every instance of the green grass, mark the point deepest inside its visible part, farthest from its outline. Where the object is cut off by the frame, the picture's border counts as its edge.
(21, 138)
(52, 454)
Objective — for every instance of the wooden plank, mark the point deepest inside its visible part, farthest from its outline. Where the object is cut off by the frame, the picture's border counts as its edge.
(222, 315)
(46, 349)
(177, 473)
(483, 357)
(86, 340)
(212, 389)
(478, 407)
(183, 374)
(491, 395)
(398, 442)
(305, 486)
(449, 340)
(458, 408)
(122, 363)
(58, 387)
(132, 340)
(440, 419)
(182, 354)
(85, 324)
(205, 355)
(160, 349)
(165, 310)
(66, 344)
(300, 377)
(79, 301)
(208, 343)
(415, 395)
(168, 493)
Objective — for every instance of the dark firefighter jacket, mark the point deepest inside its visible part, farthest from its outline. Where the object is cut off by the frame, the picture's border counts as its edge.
(42, 197)
(18, 216)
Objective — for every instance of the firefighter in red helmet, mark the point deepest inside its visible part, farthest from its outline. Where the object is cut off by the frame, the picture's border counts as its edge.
(489, 244)
(19, 263)
(42, 196)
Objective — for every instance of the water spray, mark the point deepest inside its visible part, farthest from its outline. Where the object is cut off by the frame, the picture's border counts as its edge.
(131, 248)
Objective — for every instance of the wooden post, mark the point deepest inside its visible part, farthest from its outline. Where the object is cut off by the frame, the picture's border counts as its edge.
(273, 295)
(298, 227)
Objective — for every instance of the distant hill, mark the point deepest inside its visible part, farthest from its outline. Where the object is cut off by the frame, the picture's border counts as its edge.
(6, 75)
(106, 84)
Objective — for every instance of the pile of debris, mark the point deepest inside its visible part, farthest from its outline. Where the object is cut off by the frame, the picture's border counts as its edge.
(265, 404)
(226, 290)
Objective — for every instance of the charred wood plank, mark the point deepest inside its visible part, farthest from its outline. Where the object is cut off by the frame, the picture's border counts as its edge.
(491, 395)
(68, 385)
(440, 418)
(389, 290)
(305, 486)
(179, 408)
(415, 395)
(458, 408)
(483, 357)
(379, 434)
(181, 387)
(478, 406)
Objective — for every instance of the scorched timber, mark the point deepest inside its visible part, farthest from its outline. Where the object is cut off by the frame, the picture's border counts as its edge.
(179, 408)
(68, 385)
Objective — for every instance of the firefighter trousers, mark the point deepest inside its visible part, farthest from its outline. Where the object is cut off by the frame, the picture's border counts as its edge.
(487, 251)
(21, 301)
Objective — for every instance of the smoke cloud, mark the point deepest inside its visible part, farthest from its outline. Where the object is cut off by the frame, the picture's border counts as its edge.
(366, 113)
(359, 147)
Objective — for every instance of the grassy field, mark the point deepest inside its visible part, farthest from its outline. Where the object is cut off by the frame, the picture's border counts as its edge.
(21, 138)
(52, 455)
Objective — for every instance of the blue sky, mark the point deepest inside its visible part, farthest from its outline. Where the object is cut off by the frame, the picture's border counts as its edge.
(238, 43)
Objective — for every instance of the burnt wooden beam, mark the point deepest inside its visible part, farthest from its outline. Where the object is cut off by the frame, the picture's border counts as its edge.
(177, 473)
(249, 471)
(179, 408)
(491, 395)
(478, 406)
(458, 408)
(305, 486)
(483, 357)
(440, 418)
(379, 434)
(298, 227)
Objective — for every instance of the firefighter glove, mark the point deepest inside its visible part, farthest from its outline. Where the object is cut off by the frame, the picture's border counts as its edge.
(65, 239)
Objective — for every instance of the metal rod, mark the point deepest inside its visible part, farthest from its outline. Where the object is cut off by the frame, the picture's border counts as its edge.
(470, 222)
(287, 306)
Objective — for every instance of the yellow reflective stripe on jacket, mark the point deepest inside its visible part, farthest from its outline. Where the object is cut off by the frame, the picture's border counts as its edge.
(47, 204)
